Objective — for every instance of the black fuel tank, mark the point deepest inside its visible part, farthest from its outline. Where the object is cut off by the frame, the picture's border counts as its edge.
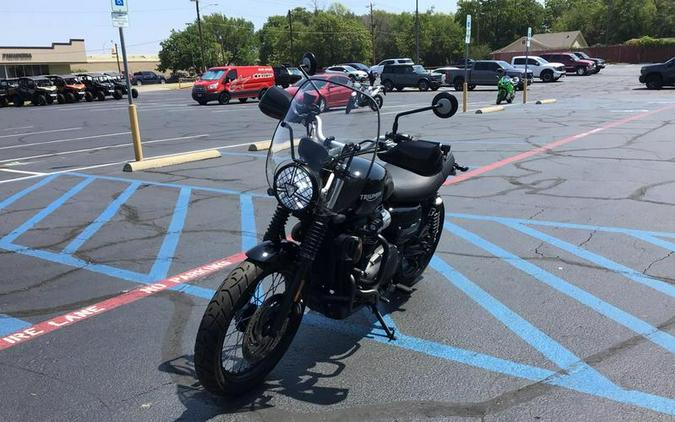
(364, 191)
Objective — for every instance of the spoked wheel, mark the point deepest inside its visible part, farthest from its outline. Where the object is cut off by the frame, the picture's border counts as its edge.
(378, 102)
(416, 256)
(236, 346)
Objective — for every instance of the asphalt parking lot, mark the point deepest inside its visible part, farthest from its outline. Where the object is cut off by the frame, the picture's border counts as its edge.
(551, 296)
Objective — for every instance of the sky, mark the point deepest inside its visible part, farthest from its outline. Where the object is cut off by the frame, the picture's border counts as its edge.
(150, 21)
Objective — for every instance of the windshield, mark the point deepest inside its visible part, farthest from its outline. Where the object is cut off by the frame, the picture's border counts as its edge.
(349, 68)
(583, 55)
(322, 118)
(505, 65)
(419, 68)
(213, 75)
(43, 82)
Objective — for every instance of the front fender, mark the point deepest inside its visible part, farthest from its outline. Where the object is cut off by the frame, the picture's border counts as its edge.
(271, 253)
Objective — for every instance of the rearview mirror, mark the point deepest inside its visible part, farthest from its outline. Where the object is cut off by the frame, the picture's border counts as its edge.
(275, 103)
(308, 63)
(444, 105)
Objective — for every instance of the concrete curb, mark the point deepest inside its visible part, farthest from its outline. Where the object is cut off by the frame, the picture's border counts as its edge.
(546, 101)
(489, 109)
(171, 160)
(260, 146)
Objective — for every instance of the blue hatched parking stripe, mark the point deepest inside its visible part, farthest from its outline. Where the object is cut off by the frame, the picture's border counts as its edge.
(632, 274)
(47, 210)
(105, 216)
(249, 233)
(13, 198)
(629, 321)
(162, 264)
(10, 325)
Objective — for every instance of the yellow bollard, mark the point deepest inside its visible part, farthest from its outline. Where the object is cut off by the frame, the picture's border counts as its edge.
(135, 132)
(465, 97)
(525, 86)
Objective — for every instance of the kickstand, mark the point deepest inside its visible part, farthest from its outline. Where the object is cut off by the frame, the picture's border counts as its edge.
(388, 331)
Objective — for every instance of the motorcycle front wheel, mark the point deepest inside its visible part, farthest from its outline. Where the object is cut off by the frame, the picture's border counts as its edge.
(235, 348)
(378, 102)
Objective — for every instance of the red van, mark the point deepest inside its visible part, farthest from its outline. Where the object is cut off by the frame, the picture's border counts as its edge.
(226, 82)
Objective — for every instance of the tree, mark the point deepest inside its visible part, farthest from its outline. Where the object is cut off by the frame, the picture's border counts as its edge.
(226, 41)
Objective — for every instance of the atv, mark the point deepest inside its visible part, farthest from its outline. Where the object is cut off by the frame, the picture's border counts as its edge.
(70, 89)
(99, 86)
(120, 83)
(36, 89)
(7, 87)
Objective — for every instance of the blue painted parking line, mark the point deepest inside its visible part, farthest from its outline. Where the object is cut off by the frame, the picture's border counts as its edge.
(630, 273)
(105, 216)
(13, 198)
(562, 225)
(46, 211)
(10, 325)
(162, 264)
(623, 318)
(249, 233)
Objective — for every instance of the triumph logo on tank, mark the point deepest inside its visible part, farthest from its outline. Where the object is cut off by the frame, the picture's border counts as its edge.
(370, 197)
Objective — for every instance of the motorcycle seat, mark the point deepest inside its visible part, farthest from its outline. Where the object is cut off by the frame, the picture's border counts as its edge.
(412, 187)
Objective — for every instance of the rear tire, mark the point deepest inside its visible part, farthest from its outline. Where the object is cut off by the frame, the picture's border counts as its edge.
(60, 98)
(423, 85)
(70, 97)
(379, 101)
(39, 100)
(88, 97)
(388, 85)
(458, 84)
(134, 93)
(18, 101)
(235, 306)
(118, 94)
(100, 96)
(581, 71)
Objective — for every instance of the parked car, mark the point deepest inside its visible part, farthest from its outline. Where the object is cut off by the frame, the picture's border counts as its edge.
(658, 75)
(227, 82)
(7, 87)
(572, 63)
(286, 75)
(358, 66)
(542, 69)
(377, 69)
(332, 95)
(599, 63)
(352, 73)
(100, 86)
(484, 72)
(36, 89)
(147, 78)
(401, 76)
(120, 83)
(443, 71)
(461, 62)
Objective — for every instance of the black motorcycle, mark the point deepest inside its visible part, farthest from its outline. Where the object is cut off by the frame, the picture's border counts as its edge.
(366, 227)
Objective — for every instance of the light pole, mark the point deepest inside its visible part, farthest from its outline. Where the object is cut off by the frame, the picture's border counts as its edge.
(201, 37)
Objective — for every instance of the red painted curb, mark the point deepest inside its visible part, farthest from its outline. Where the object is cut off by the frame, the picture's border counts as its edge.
(71, 318)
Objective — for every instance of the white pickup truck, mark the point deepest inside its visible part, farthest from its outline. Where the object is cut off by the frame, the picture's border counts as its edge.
(542, 69)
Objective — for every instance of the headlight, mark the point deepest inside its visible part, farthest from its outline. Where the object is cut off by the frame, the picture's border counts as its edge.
(213, 86)
(295, 187)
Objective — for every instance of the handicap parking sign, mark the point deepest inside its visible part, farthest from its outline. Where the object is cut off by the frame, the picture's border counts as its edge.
(120, 6)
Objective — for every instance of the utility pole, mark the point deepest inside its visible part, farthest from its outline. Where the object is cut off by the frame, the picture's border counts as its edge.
(417, 30)
(372, 33)
(201, 37)
(290, 30)
(117, 55)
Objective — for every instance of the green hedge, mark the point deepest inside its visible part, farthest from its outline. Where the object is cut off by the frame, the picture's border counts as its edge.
(648, 41)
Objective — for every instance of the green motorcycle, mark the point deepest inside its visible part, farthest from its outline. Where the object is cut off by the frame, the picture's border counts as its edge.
(506, 89)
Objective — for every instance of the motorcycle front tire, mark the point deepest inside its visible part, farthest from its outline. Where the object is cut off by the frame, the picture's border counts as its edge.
(233, 295)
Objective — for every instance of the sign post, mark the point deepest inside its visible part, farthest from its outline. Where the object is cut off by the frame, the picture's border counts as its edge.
(467, 41)
(527, 59)
(120, 19)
